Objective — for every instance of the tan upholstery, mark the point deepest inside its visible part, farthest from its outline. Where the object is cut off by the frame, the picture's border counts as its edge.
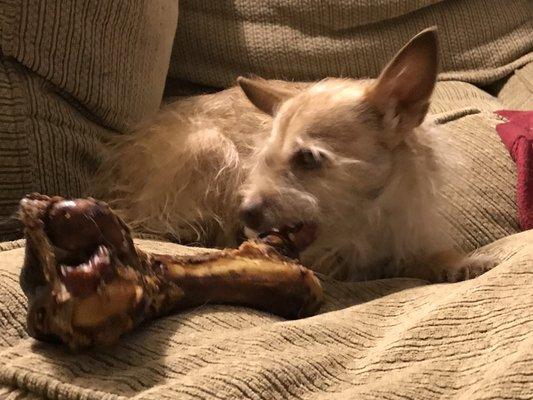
(517, 92)
(109, 56)
(481, 40)
(382, 339)
(70, 74)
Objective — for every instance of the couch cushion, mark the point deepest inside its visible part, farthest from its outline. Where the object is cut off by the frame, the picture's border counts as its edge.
(110, 56)
(308, 40)
(517, 92)
(397, 338)
(67, 70)
(46, 144)
(482, 190)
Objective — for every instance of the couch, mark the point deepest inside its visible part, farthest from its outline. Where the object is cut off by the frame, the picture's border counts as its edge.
(73, 74)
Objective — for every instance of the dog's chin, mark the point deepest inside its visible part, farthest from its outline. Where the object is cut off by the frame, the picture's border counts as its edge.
(301, 234)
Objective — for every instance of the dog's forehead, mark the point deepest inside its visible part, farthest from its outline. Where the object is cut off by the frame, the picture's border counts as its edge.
(321, 111)
(338, 88)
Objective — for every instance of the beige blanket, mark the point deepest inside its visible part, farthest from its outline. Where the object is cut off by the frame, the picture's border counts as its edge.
(389, 339)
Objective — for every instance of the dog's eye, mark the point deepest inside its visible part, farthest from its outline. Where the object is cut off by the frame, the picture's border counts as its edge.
(307, 159)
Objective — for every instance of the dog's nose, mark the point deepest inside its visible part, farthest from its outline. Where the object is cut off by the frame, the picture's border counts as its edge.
(251, 214)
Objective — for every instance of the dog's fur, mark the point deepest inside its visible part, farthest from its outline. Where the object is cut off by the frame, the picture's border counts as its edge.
(350, 157)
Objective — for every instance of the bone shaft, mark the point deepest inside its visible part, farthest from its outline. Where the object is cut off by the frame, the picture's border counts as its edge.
(286, 290)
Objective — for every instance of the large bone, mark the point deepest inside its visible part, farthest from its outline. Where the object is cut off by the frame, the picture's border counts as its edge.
(87, 284)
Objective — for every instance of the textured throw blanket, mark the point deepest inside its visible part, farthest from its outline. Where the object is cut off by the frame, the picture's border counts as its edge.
(388, 339)
(517, 135)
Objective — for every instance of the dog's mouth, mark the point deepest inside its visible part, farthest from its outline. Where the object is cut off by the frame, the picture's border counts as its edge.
(301, 234)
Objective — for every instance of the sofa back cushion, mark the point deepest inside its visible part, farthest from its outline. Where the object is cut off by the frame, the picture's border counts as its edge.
(481, 40)
(71, 74)
(110, 56)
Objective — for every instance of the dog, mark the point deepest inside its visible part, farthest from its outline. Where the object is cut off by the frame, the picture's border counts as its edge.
(351, 167)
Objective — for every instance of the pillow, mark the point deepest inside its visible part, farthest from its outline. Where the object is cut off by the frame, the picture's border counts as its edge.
(109, 56)
(72, 74)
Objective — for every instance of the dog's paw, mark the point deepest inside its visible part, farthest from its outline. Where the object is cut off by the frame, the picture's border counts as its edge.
(469, 267)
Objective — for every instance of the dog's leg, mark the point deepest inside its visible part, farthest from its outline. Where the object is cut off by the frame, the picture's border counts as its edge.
(448, 266)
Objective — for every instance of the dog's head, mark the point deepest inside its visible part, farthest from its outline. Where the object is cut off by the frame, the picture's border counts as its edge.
(333, 145)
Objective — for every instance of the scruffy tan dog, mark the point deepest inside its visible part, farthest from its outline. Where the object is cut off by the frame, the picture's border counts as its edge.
(347, 164)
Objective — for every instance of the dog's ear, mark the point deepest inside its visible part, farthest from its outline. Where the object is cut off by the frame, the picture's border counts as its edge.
(402, 91)
(263, 95)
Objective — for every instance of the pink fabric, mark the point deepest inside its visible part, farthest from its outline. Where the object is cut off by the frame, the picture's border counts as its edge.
(517, 135)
